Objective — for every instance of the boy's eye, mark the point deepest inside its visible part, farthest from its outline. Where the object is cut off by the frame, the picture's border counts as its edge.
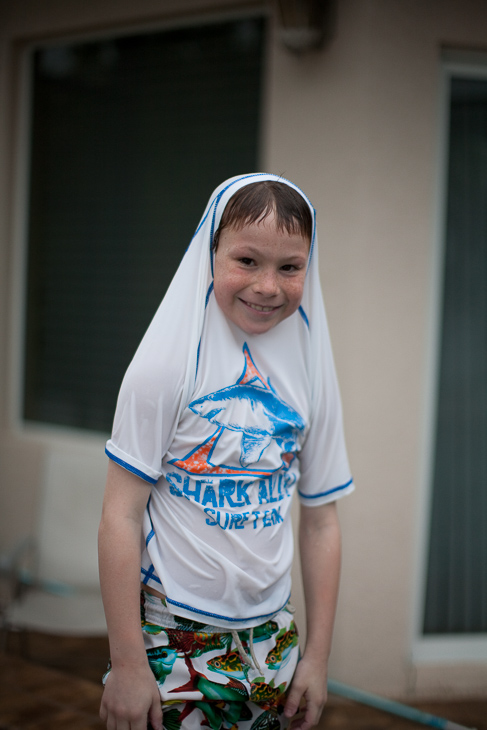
(288, 267)
(246, 261)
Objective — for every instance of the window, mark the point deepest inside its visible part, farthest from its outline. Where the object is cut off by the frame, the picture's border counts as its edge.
(456, 589)
(129, 137)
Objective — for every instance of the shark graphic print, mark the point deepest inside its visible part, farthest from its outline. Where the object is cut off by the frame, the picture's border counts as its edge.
(252, 408)
(265, 434)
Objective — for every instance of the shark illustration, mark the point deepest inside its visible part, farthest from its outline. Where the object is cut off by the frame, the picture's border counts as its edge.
(270, 418)
(252, 407)
(251, 401)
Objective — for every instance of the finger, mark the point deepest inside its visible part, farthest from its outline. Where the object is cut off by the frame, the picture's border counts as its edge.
(155, 715)
(110, 719)
(311, 715)
(304, 722)
(293, 701)
(103, 713)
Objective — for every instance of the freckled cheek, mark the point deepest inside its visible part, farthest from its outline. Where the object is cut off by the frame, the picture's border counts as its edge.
(227, 285)
(295, 293)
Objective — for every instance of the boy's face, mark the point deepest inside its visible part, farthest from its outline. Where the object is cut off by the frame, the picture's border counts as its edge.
(259, 275)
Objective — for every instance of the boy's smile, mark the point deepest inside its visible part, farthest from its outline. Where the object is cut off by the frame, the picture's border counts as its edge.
(259, 274)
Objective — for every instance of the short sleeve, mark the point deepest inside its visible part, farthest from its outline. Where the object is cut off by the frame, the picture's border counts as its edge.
(146, 416)
(325, 471)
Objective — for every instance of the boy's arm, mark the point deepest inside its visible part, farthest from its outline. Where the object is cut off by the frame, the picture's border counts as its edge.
(131, 697)
(320, 548)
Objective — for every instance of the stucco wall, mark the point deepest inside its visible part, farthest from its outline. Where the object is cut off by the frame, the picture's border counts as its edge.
(357, 126)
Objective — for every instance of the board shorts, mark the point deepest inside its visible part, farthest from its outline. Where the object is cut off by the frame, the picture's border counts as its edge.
(219, 678)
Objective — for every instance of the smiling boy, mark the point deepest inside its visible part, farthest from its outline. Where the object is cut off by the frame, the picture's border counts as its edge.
(228, 407)
(259, 274)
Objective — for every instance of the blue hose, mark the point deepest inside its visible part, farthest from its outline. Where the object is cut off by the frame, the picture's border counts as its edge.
(395, 708)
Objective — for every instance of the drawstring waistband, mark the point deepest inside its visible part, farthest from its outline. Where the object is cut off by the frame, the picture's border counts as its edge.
(156, 613)
(252, 661)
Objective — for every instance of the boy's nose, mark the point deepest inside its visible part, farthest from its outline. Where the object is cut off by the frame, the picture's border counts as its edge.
(266, 283)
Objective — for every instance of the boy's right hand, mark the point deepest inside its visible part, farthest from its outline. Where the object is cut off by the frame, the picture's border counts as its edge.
(131, 700)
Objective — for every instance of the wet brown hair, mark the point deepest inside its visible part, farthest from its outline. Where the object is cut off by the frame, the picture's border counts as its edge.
(254, 202)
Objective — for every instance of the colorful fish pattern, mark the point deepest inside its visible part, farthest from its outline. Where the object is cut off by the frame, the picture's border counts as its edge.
(266, 721)
(161, 661)
(196, 643)
(220, 686)
(230, 664)
(260, 633)
(266, 694)
(285, 642)
(232, 690)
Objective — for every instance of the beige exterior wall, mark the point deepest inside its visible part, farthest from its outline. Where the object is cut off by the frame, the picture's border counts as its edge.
(357, 125)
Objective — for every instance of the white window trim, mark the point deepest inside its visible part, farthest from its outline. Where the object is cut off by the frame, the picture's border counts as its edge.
(446, 648)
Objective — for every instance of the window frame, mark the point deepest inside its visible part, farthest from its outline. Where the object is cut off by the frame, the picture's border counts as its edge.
(451, 648)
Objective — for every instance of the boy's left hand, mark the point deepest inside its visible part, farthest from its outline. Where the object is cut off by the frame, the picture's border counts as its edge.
(309, 684)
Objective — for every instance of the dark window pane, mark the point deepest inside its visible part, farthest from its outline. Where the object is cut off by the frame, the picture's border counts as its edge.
(456, 598)
(129, 137)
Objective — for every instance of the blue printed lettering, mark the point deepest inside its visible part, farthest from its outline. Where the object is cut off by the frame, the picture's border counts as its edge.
(227, 488)
(192, 493)
(276, 515)
(237, 521)
(173, 488)
(216, 520)
(210, 520)
(262, 491)
(279, 487)
(227, 519)
(288, 482)
(209, 496)
(272, 517)
(271, 490)
(242, 493)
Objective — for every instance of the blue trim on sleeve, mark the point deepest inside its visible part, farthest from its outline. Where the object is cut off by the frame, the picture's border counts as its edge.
(324, 494)
(130, 468)
(226, 618)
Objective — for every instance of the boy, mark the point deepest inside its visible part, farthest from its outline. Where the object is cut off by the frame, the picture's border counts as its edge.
(230, 402)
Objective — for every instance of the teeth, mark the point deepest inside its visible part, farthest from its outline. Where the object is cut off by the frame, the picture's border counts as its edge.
(260, 309)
